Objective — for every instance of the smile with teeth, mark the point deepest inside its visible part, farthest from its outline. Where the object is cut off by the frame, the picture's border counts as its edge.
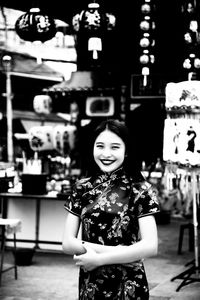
(107, 162)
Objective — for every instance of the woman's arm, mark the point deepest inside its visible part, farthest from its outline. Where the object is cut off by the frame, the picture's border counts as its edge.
(70, 243)
(73, 245)
(146, 247)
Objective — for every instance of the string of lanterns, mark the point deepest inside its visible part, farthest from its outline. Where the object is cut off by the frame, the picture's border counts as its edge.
(147, 41)
(191, 15)
(60, 138)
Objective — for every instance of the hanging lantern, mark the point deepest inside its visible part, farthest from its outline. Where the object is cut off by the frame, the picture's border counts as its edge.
(64, 138)
(35, 26)
(147, 41)
(144, 59)
(146, 8)
(187, 64)
(145, 25)
(197, 63)
(93, 20)
(188, 38)
(190, 11)
(144, 42)
(42, 104)
(40, 138)
(93, 23)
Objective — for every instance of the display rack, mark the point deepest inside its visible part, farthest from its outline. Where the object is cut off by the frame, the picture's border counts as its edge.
(192, 274)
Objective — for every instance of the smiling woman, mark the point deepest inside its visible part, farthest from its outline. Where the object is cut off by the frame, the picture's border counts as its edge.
(109, 151)
(116, 208)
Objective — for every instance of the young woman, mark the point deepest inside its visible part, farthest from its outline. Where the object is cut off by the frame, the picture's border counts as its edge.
(115, 207)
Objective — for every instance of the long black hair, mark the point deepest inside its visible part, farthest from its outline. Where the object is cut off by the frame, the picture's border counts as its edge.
(120, 129)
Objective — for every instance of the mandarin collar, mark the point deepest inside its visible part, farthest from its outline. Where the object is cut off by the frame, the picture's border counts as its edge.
(112, 175)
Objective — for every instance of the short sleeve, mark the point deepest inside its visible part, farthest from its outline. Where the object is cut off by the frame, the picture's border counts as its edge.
(146, 201)
(73, 202)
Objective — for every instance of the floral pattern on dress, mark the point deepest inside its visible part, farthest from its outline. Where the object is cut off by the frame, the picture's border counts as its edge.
(109, 208)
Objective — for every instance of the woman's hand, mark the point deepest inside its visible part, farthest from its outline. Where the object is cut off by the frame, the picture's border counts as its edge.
(88, 260)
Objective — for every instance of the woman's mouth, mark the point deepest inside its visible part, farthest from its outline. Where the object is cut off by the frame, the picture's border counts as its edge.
(107, 162)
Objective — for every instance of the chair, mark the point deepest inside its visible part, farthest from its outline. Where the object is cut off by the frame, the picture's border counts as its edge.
(8, 226)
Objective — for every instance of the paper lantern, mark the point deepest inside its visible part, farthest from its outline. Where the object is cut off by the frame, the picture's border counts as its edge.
(93, 19)
(42, 104)
(94, 23)
(40, 138)
(35, 26)
(147, 41)
(64, 138)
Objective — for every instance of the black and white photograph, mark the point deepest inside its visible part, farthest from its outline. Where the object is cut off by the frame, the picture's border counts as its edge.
(99, 150)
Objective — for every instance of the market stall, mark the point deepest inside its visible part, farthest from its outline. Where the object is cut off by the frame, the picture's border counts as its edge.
(57, 144)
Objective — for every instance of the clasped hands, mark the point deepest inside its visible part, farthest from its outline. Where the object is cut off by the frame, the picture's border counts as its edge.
(88, 260)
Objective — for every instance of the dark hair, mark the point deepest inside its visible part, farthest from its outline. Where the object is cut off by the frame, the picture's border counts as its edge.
(121, 130)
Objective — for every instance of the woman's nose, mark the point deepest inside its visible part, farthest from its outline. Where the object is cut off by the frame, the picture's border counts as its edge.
(106, 152)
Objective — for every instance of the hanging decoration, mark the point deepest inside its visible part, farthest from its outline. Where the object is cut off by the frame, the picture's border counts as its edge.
(64, 138)
(40, 138)
(147, 40)
(35, 26)
(181, 153)
(42, 104)
(93, 22)
(191, 19)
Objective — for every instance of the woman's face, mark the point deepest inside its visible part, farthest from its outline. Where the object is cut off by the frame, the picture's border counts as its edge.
(109, 151)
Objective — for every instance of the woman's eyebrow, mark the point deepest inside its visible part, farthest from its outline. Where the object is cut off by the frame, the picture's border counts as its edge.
(99, 143)
(115, 144)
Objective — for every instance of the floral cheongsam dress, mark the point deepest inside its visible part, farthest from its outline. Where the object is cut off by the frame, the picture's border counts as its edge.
(109, 207)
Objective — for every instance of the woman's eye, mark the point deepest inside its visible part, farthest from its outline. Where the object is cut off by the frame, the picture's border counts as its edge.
(115, 147)
(99, 146)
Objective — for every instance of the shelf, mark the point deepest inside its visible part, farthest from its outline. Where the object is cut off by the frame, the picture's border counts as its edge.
(147, 97)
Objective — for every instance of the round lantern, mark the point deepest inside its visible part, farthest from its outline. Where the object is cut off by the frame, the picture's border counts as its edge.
(64, 138)
(94, 23)
(35, 26)
(146, 8)
(42, 104)
(40, 138)
(93, 19)
(197, 63)
(144, 59)
(187, 64)
(147, 41)
(145, 25)
(144, 42)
